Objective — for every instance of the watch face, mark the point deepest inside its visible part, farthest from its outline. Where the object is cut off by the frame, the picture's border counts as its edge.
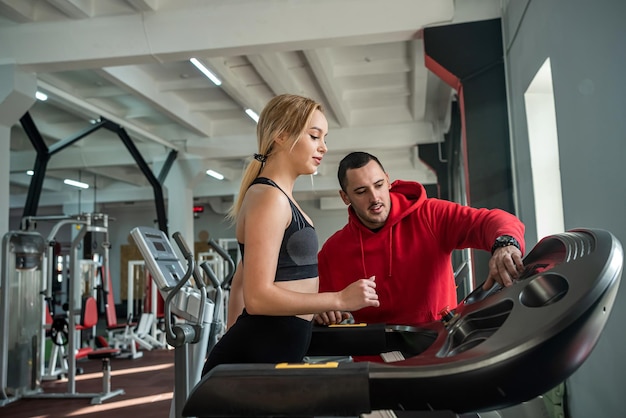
(504, 241)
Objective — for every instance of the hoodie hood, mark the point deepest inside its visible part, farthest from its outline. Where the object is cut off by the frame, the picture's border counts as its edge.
(405, 198)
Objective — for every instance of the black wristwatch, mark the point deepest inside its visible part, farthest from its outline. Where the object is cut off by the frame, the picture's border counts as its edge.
(504, 241)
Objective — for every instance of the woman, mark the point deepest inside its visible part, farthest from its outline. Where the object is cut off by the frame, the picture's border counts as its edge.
(278, 272)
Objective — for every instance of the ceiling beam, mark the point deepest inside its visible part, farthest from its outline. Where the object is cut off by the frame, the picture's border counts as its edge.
(271, 67)
(146, 5)
(92, 157)
(247, 96)
(129, 175)
(321, 64)
(132, 78)
(205, 29)
(75, 9)
(19, 11)
(399, 135)
(97, 111)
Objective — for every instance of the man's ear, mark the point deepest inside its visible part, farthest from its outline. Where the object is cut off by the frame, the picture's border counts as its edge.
(388, 181)
(344, 197)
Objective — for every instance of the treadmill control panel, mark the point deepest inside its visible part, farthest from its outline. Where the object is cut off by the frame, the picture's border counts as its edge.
(167, 270)
(158, 253)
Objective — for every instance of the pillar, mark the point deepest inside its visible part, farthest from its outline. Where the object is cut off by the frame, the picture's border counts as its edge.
(17, 95)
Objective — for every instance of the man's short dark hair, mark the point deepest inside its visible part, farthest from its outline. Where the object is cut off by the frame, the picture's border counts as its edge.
(356, 159)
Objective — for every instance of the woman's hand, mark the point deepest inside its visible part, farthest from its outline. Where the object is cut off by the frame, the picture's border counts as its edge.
(359, 294)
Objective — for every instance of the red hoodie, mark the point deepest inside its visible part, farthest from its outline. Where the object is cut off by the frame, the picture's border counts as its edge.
(411, 255)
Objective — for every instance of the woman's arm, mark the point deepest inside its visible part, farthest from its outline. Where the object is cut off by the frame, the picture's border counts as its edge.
(266, 213)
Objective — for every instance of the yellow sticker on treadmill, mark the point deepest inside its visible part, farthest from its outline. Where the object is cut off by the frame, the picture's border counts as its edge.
(327, 365)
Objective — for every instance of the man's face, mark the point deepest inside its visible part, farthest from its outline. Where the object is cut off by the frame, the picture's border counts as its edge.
(367, 190)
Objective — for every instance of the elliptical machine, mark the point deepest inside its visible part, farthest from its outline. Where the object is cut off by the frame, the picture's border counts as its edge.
(195, 332)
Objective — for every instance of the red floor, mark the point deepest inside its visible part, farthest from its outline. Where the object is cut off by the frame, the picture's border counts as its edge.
(147, 382)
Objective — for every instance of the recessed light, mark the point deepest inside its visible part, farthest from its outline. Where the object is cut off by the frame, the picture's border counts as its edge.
(75, 183)
(215, 174)
(252, 115)
(206, 71)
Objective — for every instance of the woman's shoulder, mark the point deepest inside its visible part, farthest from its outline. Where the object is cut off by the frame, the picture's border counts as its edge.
(262, 198)
(265, 193)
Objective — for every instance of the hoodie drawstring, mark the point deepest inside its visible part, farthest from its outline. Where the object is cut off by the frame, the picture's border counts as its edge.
(390, 253)
(362, 254)
(390, 249)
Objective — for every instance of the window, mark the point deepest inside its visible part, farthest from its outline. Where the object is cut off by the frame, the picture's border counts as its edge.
(544, 152)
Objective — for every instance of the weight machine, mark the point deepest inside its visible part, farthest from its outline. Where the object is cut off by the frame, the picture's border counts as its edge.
(71, 328)
(23, 272)
(143, 332)
(56, 326)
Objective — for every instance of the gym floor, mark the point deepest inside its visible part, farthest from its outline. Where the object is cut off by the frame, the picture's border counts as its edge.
(148, 384)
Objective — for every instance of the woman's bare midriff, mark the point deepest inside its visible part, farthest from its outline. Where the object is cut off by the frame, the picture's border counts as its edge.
(303, 286)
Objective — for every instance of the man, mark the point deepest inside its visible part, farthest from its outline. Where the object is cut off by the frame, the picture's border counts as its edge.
(405, 240)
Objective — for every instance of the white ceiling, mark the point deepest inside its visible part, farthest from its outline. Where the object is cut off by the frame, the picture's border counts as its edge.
(128, 61)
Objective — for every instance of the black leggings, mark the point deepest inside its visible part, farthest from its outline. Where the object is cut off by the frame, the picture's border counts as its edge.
(262, 339)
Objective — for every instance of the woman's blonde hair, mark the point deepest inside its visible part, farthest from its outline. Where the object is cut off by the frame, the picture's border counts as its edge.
(284, 114)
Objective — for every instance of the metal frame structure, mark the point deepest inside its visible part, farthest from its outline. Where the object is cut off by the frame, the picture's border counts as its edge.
(87, 223)
(44, 154)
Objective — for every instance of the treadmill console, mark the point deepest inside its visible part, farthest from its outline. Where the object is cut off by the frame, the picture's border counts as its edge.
(167, 270)
(158, 253)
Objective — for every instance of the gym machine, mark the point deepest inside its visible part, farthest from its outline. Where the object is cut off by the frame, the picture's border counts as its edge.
(144, 332)
(498, 348)
(78, 287)
(23, 272)
(188, 310)
(220, 291)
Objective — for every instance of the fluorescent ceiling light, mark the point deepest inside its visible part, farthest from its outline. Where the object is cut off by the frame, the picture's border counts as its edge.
(41, 96)
(75, 183)
(252, 115)
(215, 174)
(206, 71)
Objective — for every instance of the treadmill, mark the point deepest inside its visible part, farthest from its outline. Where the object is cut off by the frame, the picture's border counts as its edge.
(498, 348)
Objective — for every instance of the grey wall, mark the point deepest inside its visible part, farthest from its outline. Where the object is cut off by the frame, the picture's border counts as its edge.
(586, 43)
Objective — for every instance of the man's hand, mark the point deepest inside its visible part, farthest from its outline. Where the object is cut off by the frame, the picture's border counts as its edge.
(505, 265)
(331, 317)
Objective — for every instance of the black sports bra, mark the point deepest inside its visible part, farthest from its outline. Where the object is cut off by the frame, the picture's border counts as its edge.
(297, 258)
